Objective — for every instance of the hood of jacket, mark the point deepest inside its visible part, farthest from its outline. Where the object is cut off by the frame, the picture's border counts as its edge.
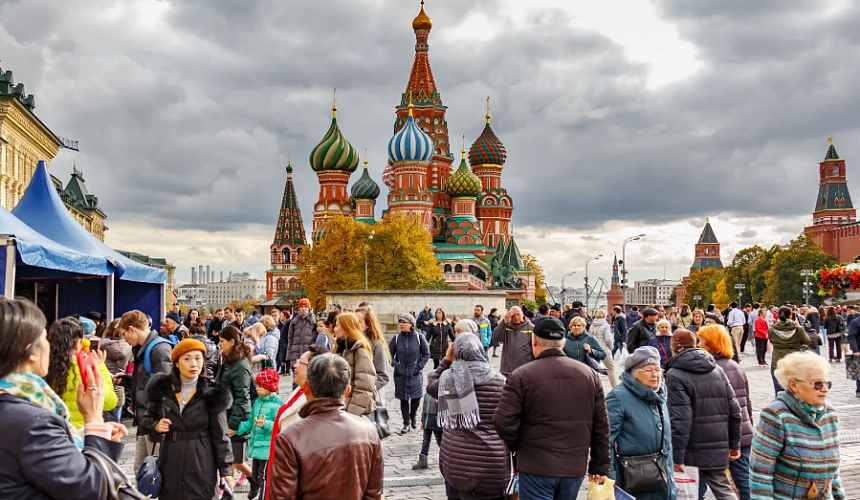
(784, 329)
(692, 360)
(642, 391)
(216, 397)
(598, 322)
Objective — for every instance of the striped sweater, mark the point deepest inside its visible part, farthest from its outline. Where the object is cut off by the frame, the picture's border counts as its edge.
(792, 450)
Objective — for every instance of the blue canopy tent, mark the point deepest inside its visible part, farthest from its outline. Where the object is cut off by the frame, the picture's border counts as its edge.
(132, 286)
(38, 262)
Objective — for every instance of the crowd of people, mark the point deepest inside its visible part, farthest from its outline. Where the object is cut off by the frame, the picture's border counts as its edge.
(204, 395)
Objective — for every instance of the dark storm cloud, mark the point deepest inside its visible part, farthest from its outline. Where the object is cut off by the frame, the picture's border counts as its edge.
(188, 121)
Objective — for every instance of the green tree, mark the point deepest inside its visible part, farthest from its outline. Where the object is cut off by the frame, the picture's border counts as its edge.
(741, 271)
(783, 280)
(702, 283)
(758, 270)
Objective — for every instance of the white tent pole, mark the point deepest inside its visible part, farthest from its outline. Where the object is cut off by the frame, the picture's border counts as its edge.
(11, 254)
(110, 298)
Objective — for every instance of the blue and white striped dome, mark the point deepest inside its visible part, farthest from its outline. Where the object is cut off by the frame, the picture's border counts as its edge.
(410, 143)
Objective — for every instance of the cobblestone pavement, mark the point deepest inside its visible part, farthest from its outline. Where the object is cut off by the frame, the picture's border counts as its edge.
(401, 482)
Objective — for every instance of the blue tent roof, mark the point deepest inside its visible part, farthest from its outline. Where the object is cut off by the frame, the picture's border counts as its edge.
(37, 250)
(42, 209)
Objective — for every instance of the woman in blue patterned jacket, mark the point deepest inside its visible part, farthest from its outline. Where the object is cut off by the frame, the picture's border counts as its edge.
(795, 450)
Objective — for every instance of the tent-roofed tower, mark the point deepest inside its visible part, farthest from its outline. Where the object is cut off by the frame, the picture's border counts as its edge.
(288, 244)
(834, 219)
(707, 250)
(615, 296)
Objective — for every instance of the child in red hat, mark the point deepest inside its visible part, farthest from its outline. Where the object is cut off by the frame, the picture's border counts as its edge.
(260, 424)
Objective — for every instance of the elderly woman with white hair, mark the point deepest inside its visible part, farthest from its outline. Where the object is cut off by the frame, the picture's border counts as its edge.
(663, 341)
(795, 450)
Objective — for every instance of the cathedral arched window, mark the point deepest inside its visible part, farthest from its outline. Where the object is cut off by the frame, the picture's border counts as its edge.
(835, 170)
(286, 255)
(280, 285)
(458, 268)
(447, 268)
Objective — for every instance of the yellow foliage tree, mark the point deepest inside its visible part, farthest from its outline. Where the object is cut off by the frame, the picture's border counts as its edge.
(540, 277)
(399, 257)
(720, 297)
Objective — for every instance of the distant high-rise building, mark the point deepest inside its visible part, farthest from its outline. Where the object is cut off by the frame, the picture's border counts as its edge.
(221, 278)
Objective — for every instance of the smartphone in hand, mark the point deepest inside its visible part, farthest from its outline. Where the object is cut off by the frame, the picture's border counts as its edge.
(85, 359)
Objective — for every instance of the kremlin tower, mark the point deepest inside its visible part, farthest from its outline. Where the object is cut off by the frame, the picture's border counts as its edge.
(288, 244)
(615, 296)
(834, 220)
(707, 250)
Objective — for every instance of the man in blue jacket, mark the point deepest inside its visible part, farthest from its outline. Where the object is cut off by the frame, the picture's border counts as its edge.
(620, 329)
(485, 332)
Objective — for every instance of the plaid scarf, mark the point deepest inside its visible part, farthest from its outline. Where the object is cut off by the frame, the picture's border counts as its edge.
(458, 405)
(34, 390)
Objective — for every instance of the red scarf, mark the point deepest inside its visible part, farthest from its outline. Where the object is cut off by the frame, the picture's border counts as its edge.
(276, 429)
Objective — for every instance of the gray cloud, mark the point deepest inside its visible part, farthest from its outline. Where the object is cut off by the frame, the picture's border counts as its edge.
(748, 233)
(190, 124)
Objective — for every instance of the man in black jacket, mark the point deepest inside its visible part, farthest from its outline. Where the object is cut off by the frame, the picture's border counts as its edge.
(620, 329)
(704, 413)
(642, 331)
(215, 325)
(135, 327)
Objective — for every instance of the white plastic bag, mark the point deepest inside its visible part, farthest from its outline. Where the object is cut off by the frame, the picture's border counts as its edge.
(601, 491)
(687, 483)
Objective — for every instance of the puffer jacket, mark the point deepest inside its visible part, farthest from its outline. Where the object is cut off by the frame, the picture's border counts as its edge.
(636, 428)
(741, 386)
(663, 344)
(352, 469)
(301, 333)
(269, 344)
(574, 348)
(237, 378)
(601, 331)
(118, 356)
(261, 437)
(640, 334)
(517, 344)
(831, 327)
(70, 394)
(438, 336)
(475, 460)
(213, 355)
(703, 409)
(786, 337)
(362, 399)
(409, 354)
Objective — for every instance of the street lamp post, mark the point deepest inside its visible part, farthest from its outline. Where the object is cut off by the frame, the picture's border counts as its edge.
(740, 288)
(563, 289)
(587, 291)
(806, 273)
(366, 247)
(697, 298)
(624, 268)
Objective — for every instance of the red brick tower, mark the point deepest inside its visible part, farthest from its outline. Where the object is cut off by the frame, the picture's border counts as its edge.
(615, 296)
(833, 208)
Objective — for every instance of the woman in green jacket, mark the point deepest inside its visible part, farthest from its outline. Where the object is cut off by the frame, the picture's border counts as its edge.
(786, 337)
(235, 375)
(581, 346)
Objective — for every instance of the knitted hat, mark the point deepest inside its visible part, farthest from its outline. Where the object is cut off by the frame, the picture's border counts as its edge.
(407, 318)
(642, 356)
(549, 328)
(186, 346)
(467, 326)
(89, 326)
(683, 339)
(174, 317)
(268, 379)
(305, 302)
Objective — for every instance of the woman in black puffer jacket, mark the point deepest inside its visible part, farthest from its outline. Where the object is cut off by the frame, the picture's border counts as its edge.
(473, 458)
(439, 333)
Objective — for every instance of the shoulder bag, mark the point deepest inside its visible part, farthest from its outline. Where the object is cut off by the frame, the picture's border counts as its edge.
(149, 475)
(644, 473)
(116, 483)
(379, 417)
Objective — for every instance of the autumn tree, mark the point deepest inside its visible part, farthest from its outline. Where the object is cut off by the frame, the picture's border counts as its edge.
(540, 277)
(741, 272)
(702, 283)
(720, 297)
(783, 280)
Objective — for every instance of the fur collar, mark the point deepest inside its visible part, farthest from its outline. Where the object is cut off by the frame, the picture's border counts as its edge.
(215, 396)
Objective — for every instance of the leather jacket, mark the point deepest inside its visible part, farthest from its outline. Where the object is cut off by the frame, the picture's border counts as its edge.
(306, 465)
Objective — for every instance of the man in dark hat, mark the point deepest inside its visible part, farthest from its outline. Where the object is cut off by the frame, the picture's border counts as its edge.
(643, 330)
(545, 412)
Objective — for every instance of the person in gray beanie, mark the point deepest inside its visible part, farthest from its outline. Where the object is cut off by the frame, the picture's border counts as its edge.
(639, 423)
(409, 353)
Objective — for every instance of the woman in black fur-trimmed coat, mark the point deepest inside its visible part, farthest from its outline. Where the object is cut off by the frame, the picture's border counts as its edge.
(196, 448)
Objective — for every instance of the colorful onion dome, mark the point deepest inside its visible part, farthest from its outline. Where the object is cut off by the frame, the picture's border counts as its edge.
(487, 148)
(365, 188)
(463, 183)
(410, 143)
(422, 21)
(334, 152)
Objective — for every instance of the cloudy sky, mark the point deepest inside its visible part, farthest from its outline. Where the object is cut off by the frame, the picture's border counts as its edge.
(620, 117)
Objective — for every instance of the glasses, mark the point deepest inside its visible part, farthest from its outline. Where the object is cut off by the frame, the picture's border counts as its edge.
(818, 386)
(650, 371)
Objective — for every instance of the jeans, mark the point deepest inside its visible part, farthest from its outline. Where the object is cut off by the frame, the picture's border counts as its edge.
(534, 487)
(425, 445)
(857, 390)
(776, 387)
(740, 470)
(617, 347)
(834, 348)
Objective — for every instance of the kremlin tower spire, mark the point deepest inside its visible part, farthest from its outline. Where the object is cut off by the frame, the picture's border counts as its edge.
(615, 296)
(834, 216)
(707, 250)
(288, 243)
(495, 208)
(333, 159)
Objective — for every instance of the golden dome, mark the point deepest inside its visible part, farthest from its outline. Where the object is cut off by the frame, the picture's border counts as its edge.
(422, 21)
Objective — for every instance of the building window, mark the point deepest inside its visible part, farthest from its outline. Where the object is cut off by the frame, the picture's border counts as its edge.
(286, 253)
(835, 170)
(447, 268)
(458, 268)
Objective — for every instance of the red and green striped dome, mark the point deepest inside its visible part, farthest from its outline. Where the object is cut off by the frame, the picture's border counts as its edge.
(487, 149)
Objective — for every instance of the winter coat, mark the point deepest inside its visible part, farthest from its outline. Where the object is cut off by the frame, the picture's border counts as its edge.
(213, 355)
(159, 358)
(663, 344)
(831, 327)
(741, 386)
(302, 333)
(705, 415)
(485, 330)
(683, 321)
(633, 317)
(639, 425)
(574, 348)
(381, 363)
(517, 348)
(409, 354)
(640, 334)
(814, 320)
(438, 337)
(196, 449)
(40, 460)
(553, 415)
(786, 337)
(787, 435)
(70, 393)
(362, 399)
(269, 343)
(601, 331)
(620, 328)
(214, 328)
(237, 379)
(118, 356)
(854, 336)
(430, 413)
(475, 460)
(261, 437)
(422, 317)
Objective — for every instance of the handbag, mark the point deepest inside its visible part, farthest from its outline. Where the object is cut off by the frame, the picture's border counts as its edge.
(117, 484)
(379, 417)
(149, 475)
(644, 473)
(592, 363)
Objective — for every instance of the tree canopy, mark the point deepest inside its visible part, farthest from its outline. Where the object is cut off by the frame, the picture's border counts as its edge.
(540, 277)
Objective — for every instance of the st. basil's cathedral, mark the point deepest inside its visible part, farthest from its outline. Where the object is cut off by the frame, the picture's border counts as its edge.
(467, 211)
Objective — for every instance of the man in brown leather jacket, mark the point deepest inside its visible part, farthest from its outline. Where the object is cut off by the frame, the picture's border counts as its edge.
(329, 453)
